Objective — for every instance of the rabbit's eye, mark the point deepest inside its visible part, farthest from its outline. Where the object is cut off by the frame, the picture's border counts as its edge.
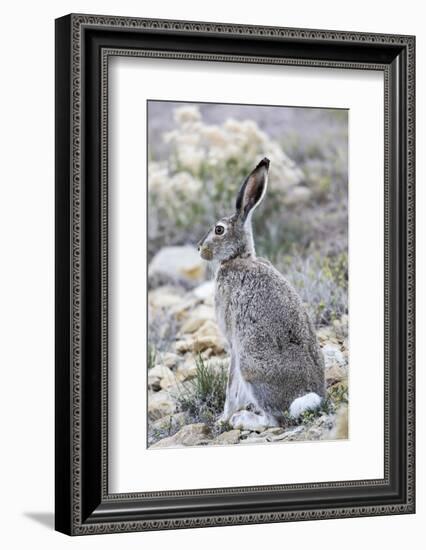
(219, 230)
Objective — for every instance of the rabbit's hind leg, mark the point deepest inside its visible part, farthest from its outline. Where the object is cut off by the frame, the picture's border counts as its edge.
(239, 393)
(308, 402)
(248, 420)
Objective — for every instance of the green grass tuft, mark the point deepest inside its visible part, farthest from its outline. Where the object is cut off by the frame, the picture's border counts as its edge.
(203, 397)
(152, 356)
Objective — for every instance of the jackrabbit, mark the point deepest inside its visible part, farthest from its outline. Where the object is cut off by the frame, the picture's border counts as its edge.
(276, 364)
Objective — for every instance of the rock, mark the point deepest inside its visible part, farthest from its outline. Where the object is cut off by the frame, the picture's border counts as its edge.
(266, 435)
(324, 334)
(313, 433)
(335, 363)
(248, 424)
(187, 370)
(168, 380)
(164, 297)
(201, 343)
(159, 371)
(208, 328)
(227, 438)
(160, 404)
(160, 377)
(191, 325)
(205, 291)
(334, 374)
(170, 360)
(169, 422)
(288, 435)
(333, 356)
(180, 262)
(270, 432)
(182, 346)
(190, 435)
(154, 383)
(182, 309)
(182, 389)
(197, 318)
(341, 430)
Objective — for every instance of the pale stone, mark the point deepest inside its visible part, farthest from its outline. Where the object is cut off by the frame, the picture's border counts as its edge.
(164, 298)
(154, 383)
(168, 380)
(288, 435)
(203, 312)
(199, 344)
(159, 371)
(334, 374)
(274, 431)
(208, 328)
(160, 404)
(197, 318)
(170, 421)
(170, 360)
(187, 370)
(332, 355)
(227, 438)
(313, 433)
(324, 334)
(190, 435)
(203, 342)
(155, 375)
(182, 346)
(191, 325)
(181, 262)
(182, 310)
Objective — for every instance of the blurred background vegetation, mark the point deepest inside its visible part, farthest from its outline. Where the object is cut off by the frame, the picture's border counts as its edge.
(200, 153)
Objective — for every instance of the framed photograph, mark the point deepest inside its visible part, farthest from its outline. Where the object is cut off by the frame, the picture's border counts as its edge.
(234, 274)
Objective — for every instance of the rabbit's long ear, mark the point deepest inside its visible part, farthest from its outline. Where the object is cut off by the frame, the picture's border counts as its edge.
(252, 190)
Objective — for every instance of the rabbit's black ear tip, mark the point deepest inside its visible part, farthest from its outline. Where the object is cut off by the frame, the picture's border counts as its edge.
(264, 162)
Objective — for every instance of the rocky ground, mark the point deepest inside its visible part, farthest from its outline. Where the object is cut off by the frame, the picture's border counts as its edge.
(188, 366)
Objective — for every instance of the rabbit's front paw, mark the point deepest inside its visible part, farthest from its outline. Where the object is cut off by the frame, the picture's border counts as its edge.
(222, 419)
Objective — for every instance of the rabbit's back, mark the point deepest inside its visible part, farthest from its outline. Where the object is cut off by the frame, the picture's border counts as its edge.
(261, 314)
(251, 293)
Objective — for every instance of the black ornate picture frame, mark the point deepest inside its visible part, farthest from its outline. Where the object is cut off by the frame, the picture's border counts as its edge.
(84, 44)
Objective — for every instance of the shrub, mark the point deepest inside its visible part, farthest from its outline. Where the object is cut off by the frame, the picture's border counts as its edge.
(152, 356)
(321, 282)
(198, 182)
(162, 330)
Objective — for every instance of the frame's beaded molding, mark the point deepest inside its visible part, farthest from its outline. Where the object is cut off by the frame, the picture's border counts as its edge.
(78, 22)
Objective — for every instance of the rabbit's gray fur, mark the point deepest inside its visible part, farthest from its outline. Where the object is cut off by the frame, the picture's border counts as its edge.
(275, 358)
